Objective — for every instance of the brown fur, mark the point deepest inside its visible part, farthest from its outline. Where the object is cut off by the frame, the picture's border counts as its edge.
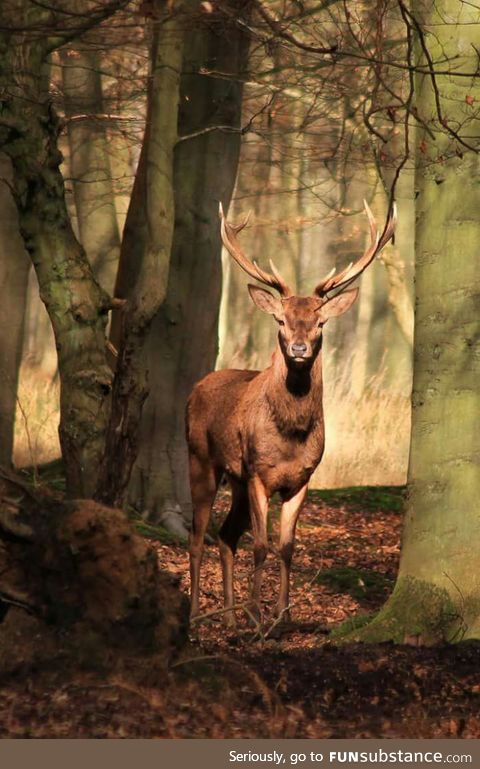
(264, 431)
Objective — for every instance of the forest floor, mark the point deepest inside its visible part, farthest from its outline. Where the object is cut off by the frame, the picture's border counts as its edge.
(297, 681)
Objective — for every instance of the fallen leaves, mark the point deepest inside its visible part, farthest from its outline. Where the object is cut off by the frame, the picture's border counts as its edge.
(224, 685)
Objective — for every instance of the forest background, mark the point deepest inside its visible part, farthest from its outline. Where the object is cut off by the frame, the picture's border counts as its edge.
(313, 134)
(122, 127)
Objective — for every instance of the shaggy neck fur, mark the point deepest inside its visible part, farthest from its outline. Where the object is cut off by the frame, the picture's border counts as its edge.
(295, 396)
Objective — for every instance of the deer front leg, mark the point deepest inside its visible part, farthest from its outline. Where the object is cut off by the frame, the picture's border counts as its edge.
(258, 501)
(288, 523)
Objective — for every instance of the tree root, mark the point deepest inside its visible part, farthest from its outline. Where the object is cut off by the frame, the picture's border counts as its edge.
(82, 574)
(417, 613)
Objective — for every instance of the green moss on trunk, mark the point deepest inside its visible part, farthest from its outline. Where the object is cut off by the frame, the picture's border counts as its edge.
(417, 613)
(76, 304)
(437, 596)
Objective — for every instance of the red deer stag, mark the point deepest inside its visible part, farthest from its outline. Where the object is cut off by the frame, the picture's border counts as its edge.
(264, 430)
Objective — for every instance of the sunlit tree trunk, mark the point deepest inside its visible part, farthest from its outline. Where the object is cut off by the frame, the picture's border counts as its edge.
(14, 266)
(437, 594)
(239, 318)
(182, 344)
(89, 161)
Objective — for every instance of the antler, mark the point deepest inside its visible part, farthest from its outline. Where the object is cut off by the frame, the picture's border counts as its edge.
(229, 237)
(352, 272)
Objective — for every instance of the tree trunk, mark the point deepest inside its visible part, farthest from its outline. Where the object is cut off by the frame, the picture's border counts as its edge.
(182, 344)
(90, 161)
(239, 316)
(146, 251)
(14, 266)
(76, 304)
(437, 594)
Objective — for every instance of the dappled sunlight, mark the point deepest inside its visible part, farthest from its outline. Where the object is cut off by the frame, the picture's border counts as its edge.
(366, 439)
(37, 417)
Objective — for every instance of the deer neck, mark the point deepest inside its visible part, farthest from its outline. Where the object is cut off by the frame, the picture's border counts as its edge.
(295, 396)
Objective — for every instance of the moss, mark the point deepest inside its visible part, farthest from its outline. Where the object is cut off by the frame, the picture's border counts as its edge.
(361, 584)
(385, 498)
(351, 625)
(157, 533)
(417, 612)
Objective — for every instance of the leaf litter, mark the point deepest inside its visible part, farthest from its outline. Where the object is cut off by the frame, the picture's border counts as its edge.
(273, 680)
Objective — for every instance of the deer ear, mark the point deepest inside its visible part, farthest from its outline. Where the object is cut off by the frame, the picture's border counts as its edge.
(338, 304)
(265, 300)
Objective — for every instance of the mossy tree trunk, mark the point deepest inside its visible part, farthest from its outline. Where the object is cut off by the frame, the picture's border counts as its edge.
(14, 266)
(76, 304)
(182, 343)
(74, 577)
(437, 595)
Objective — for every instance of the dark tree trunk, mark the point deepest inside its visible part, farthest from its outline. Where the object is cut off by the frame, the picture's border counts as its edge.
(145, 254)
(14, 266)
(182, 344)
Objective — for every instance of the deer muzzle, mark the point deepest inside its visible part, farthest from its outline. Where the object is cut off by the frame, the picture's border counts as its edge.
(299, 351)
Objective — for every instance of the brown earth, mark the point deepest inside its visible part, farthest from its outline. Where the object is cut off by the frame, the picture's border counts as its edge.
(294, 681)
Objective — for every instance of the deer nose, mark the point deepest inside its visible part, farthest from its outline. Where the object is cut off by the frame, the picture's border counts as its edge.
(299, 350)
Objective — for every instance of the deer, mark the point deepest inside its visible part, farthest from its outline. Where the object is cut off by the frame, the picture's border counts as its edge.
(264, 430)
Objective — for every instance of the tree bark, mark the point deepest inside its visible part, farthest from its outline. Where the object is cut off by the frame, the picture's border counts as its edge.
(90, 587)
(146, 251)
(14, 267)
(437, 594)
(90, 161)
(75, 302)
(238, 315)
(182, 343)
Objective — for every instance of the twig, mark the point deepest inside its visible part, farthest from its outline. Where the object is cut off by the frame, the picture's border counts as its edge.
(431, 71)
(270, 698)
(216, 612)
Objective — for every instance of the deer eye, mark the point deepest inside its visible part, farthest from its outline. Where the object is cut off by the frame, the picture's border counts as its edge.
(281, 323)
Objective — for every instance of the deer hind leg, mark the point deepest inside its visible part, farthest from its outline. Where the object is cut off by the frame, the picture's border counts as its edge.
(235, 524)
(204, 482)
(258, 501)
(288, 522)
